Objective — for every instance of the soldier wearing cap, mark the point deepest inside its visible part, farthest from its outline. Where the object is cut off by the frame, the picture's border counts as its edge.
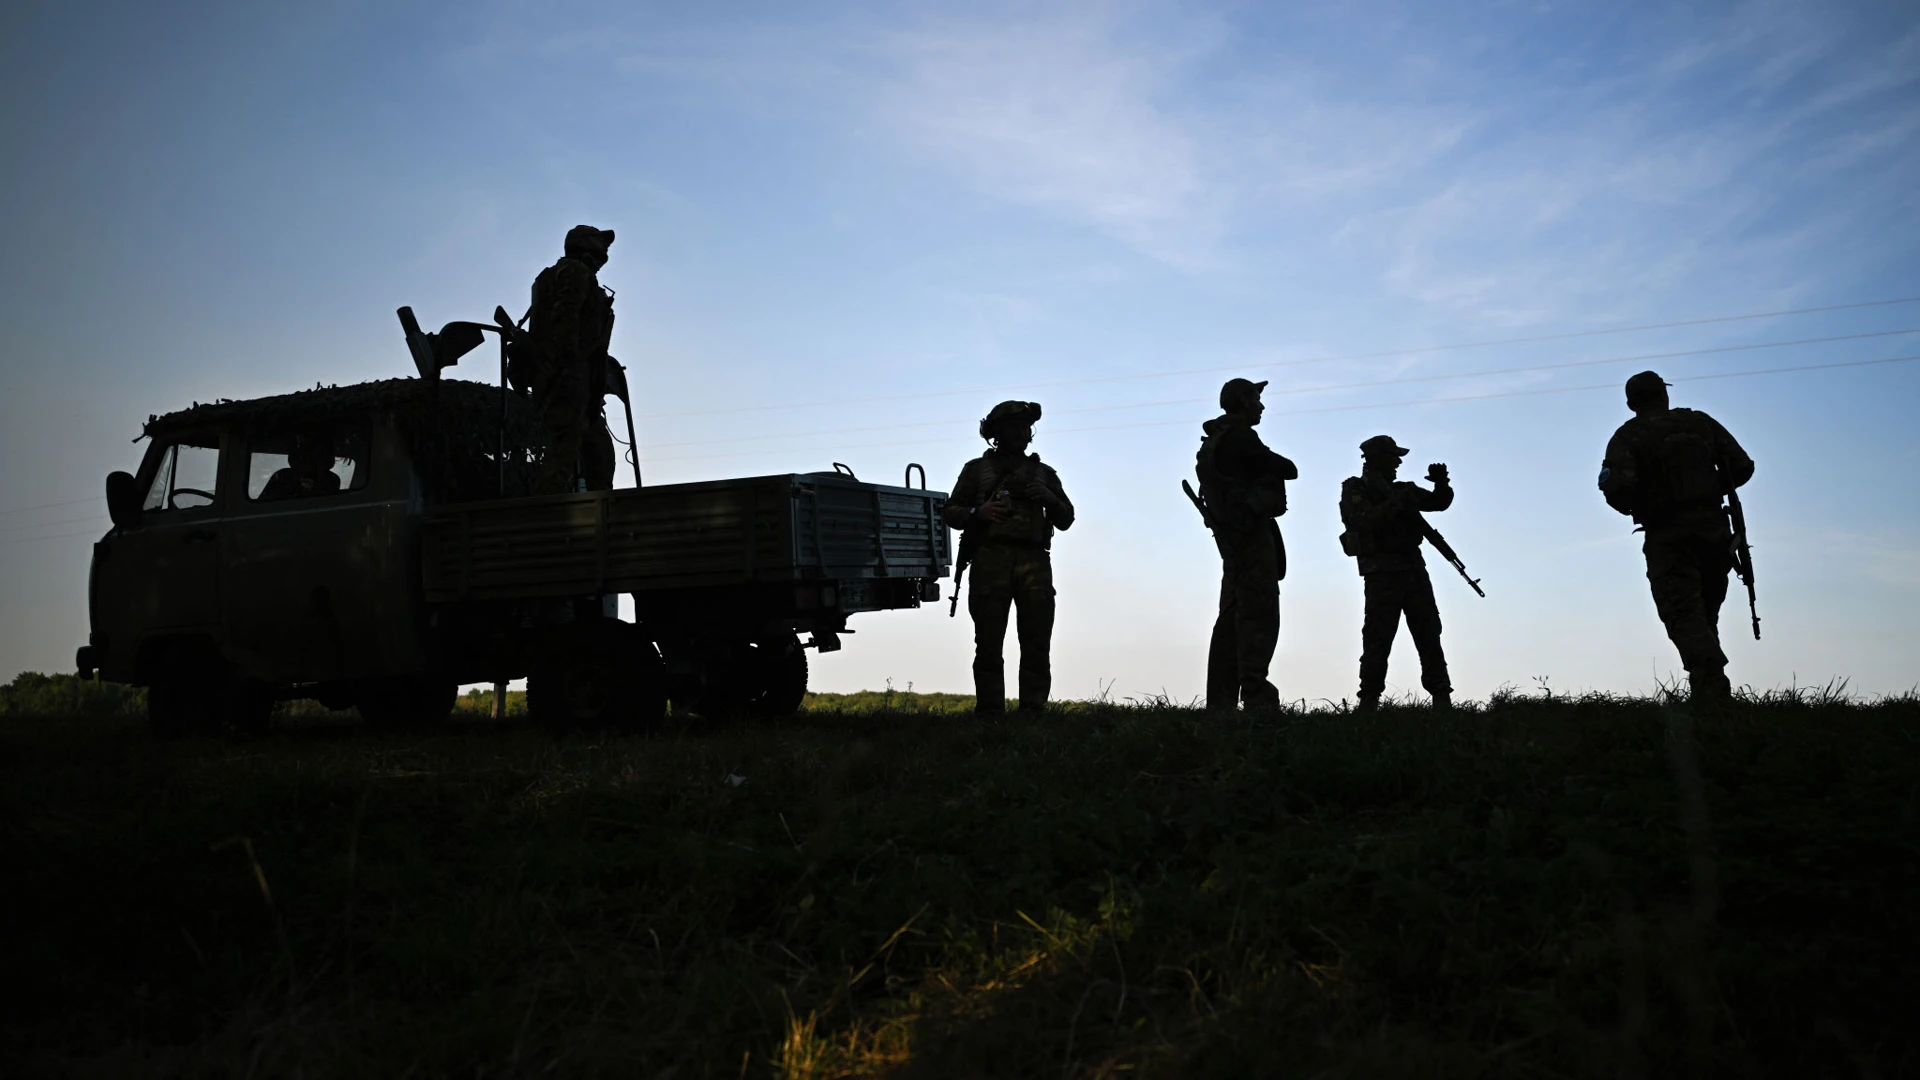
(1384, 530)
(1669, 469)
(1244, 487)
(571, 327)
(1009, 504)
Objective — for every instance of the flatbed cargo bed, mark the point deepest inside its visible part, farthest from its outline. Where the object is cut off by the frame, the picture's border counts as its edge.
(780, 529)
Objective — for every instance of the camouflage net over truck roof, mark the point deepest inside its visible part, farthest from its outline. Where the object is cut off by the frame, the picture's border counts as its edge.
(451, 427)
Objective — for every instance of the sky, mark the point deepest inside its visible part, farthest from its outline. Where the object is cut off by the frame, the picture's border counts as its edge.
(847, 229)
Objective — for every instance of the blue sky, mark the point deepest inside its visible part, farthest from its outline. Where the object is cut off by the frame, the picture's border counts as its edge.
(847, 229)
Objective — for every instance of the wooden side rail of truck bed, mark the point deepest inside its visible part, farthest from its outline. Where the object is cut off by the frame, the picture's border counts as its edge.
(757, 530)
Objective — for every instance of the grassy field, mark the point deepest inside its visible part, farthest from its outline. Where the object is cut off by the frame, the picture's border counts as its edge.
(1532, 888)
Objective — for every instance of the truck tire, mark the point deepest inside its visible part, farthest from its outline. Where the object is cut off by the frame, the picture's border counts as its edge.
(176, 707)
(420, 701)
(783, 677)
(766, 678)
(604, 675)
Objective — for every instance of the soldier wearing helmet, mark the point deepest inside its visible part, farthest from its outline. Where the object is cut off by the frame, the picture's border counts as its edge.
(1668, 469)
(1009, 505)
(572, 324)
(1383, 532)
(1244, 487)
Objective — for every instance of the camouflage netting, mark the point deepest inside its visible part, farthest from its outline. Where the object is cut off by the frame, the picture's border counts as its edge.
(452, 427)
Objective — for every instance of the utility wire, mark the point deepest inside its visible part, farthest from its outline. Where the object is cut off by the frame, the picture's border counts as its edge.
(1303, 412)
(49, 506)
(1293, 363)
(51, 524)
(1334, 387)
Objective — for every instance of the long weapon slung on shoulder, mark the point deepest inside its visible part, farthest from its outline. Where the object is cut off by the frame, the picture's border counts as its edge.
(1446, 552)
(1743, 555)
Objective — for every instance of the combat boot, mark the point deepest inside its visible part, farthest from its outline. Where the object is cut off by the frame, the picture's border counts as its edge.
(1443, 700)
(1368, 703)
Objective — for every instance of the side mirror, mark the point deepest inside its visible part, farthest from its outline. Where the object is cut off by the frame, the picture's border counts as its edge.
(123, 499)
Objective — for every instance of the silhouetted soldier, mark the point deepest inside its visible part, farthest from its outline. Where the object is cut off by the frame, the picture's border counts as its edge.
(1669, 469)
(1244, 486)
(1384, 530)
(309, 470)
(1010, 504)
(572, 325)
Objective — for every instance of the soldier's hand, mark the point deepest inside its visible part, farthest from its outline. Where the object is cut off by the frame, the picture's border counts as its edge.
(996, 512)
(1437, 472)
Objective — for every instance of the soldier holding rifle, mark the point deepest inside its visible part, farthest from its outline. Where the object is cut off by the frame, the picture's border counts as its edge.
(1384, 531)
(572, 325)
(1008, 503)
(1670, 469)
(1243, 489)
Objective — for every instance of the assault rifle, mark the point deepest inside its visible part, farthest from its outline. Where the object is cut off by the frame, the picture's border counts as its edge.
(1446, 552)
(961, 560)
(1206, 516)
(1743, 555)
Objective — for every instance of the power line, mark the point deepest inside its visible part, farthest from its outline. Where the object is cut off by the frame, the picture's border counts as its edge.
(1306, 412)
(61, 536)
(49, 506)
(1294, 363)
(51, 524)
(1527, 369)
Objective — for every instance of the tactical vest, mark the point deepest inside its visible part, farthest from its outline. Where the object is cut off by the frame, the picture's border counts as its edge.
(1027, 523)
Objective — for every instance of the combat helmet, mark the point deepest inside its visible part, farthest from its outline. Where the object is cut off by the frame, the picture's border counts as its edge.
(587, 240)
(1009, 412)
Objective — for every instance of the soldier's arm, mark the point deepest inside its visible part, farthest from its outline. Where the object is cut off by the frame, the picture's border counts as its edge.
(1438, 499)
(1733, 459)
(1060, 509)
(965, 498)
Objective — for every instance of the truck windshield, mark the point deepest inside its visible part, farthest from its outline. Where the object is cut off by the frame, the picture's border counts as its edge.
(307, 461)
(187, 476)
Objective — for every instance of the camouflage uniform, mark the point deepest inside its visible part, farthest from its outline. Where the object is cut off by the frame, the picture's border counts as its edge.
(1668, 469)
(1382, 517)
(1011, 569)
(572, 324)
(1244, 485)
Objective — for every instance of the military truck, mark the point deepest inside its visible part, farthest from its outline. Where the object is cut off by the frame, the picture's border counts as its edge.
(372, 546)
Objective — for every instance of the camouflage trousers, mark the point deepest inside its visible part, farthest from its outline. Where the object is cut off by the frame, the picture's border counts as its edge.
(1248, 626)
(578, 443)
(1005, 577)
(1390, 594)
(1687, 567)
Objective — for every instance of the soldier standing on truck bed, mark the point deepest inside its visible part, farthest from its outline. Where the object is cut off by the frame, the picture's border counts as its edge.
(1008, 505)
(1243, 486)
(571, 328)
(1384, 530)
(1669, 469)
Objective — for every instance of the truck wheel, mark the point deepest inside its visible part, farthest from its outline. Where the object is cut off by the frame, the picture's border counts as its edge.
(178, 706)
(756, 678)
(423, 701)
(607, 675)
(782, 686)
(245, 707)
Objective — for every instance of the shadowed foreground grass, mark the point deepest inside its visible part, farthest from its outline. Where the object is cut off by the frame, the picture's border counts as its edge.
(1584, 888)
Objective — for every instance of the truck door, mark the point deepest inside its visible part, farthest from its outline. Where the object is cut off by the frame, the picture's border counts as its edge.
(299, 539)
(164, 572)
